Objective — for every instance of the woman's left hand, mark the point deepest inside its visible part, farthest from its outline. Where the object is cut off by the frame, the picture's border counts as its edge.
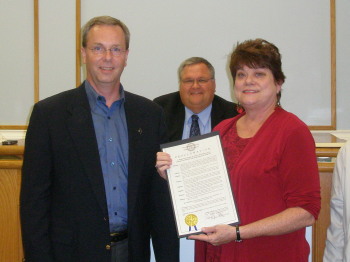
(216, 235)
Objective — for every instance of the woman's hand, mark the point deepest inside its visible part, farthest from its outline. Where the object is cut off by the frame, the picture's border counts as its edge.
(216, 235)
(163, 163)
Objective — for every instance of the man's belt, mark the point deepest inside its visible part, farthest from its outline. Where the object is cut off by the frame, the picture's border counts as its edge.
(118, 236)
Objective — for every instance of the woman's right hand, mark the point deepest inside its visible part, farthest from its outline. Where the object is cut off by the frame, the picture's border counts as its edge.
(163, 163)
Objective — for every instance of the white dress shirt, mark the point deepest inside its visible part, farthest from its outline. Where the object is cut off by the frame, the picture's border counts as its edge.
(338, 234)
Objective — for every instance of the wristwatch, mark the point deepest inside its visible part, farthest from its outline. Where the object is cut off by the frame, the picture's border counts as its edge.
(238, 235)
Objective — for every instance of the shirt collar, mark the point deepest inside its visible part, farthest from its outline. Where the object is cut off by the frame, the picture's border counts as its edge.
(204, 116)
(93, 96)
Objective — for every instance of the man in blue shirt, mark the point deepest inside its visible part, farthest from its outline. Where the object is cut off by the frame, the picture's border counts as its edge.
(196, 96)
(90, 191)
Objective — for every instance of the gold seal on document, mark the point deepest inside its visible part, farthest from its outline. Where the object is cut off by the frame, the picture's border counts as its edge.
(191, 220)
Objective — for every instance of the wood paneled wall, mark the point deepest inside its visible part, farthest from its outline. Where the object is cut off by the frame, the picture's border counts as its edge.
(10, 179)
(10, 236)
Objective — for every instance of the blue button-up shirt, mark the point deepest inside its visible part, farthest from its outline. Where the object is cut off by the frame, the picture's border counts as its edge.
(112, 139)
(204, 121)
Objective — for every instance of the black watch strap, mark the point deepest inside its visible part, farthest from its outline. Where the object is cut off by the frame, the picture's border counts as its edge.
(238, 235)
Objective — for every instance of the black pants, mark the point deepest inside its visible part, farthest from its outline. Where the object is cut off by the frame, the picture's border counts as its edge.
(120, 251)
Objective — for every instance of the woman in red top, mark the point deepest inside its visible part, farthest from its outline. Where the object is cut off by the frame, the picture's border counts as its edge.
(271, 159)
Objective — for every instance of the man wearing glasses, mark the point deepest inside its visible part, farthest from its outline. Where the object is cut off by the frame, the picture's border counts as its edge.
(196, 97)
(90, 191)
(194, 109)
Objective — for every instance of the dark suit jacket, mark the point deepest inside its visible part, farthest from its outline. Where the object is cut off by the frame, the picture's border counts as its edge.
(64, 213)
(175, 113)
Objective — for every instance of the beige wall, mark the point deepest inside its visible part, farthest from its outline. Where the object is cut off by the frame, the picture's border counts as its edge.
(165, 33)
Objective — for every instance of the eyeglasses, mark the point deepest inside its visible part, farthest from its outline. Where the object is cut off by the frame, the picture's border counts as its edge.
(99, 50)
(190, 82)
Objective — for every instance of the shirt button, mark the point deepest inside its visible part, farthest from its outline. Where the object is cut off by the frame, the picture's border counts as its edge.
(105, 219)
(110, 139)
(112, 163)
(108, 247)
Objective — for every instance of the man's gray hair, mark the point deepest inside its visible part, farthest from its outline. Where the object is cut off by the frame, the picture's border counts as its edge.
(194, 61)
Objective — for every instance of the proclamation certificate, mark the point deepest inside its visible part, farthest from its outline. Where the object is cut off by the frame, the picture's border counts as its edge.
(199, 184)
